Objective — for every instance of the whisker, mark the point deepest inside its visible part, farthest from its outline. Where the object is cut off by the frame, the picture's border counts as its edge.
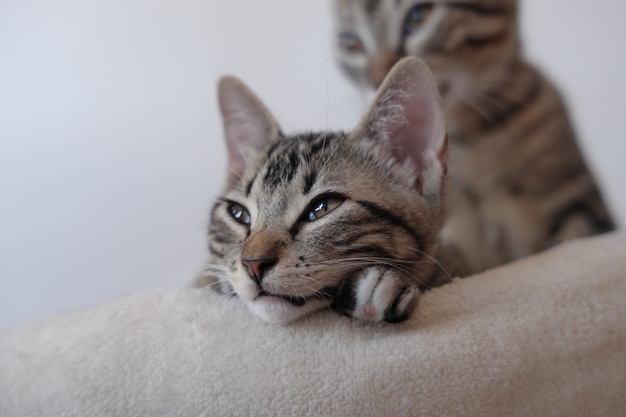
(332, 152)
(399, 264)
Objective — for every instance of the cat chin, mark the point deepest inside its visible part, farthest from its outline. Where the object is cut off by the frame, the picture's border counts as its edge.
(278, 310)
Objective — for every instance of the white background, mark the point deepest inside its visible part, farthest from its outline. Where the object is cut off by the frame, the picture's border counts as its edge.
(110, 141)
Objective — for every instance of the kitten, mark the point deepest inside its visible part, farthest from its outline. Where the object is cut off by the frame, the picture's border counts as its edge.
(519, 183)
(328, 219)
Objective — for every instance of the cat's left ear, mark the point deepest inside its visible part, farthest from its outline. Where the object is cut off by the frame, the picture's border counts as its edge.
(248, 125)
(406, 117)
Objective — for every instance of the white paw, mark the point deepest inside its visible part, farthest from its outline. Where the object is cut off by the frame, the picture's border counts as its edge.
(377, 294)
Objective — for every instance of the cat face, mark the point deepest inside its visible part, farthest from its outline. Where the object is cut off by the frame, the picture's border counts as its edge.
(466, 43)
(302, 214)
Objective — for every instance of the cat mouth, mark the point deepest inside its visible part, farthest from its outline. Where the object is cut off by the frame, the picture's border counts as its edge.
(323, 294)
(297, 301)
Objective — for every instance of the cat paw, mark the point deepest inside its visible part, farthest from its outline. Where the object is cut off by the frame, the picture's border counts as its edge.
(377, 294)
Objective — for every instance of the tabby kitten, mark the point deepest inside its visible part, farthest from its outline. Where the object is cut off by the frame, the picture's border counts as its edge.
(519, 183)
(328, 219)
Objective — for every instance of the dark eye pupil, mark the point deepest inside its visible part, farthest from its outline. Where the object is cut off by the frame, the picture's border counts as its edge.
(416, 13)
(350, 42)
(240, 214)
(413, 18)
(318, 210)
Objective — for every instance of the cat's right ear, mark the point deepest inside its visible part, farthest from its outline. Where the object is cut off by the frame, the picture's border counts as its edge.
(248, 125)
(407, 119)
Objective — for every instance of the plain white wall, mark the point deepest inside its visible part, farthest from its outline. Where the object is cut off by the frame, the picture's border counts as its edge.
(110, 141)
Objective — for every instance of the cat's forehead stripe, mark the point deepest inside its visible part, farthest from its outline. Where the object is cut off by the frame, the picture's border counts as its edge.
(282, 168)
(288, 155)
(309, 181)
(322, 141)
(249, 185)
(477, 8)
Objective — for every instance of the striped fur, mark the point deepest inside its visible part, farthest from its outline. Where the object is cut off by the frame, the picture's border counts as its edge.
(519, 182)
(315, 220)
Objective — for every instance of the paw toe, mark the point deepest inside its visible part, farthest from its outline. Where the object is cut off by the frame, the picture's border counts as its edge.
(403, 305)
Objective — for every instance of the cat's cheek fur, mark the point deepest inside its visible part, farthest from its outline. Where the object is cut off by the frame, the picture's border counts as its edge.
(244, 287)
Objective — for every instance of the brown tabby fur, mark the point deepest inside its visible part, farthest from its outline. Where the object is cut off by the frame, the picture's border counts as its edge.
(519, 182)
(317, 220)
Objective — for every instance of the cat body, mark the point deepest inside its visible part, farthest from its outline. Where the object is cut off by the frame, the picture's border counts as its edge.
(329, 219)
(519, 182)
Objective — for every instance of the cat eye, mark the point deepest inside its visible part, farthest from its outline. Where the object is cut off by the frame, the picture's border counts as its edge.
(322, 206)
(350, 43)
(414, 17)
(239, 213)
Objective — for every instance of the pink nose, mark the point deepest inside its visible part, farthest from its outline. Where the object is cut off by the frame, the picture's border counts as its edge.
(257, 267)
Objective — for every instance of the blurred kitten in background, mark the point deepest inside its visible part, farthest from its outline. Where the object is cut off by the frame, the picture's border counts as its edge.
(518, 181)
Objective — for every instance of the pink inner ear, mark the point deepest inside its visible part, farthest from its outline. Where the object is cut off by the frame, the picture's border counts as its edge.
(421, 136)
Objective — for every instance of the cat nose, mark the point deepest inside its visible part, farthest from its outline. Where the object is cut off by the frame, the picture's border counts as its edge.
(257, 267)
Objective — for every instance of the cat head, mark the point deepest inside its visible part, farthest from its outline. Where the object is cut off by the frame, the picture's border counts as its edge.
(301, 213)
(463, 42)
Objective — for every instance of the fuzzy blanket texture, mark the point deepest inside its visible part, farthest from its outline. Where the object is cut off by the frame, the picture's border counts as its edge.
(545, 336)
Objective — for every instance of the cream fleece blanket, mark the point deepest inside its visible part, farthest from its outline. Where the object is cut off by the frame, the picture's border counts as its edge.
(542, 337)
